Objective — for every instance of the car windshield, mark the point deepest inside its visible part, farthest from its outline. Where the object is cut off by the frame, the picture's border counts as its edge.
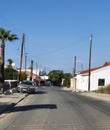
(27, 83)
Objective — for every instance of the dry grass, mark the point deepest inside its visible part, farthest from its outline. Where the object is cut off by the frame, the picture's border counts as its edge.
(105, 90)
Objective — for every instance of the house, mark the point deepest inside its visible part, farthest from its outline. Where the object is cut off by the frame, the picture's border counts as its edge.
(36, 76)
(100, 77)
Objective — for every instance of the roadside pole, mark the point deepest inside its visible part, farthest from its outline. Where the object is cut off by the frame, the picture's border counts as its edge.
(89, 75)
(31, 70)
(19, 76)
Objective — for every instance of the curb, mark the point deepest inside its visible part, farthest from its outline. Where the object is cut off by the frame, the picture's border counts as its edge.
(22, 99)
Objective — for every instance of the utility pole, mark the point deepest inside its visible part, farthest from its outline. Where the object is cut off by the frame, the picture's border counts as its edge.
(89, 76)
(36, 68)
(31, 70)
(25, 62)
(74, 70)
(74, 74)
(45, 70)
(23, 38)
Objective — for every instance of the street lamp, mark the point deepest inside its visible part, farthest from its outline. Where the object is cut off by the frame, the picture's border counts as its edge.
(89, 76)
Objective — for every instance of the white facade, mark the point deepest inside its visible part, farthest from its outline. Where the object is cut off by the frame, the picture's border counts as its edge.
(45, 77)
(103, 73)
(100, 77)
(81, 83)
(34, 71)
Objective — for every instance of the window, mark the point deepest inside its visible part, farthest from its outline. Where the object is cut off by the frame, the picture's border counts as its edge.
(101, 82)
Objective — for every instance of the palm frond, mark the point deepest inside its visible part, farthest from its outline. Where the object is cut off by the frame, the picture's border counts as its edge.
(6, 34)
(0, 37)
(2, 31)
(12, 37)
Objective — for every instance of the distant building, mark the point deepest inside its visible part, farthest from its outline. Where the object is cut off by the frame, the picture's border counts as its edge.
(28, 72)
(100, 77)
(35, 76)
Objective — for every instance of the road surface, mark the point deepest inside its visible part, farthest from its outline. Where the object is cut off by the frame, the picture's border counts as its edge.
(54, 109)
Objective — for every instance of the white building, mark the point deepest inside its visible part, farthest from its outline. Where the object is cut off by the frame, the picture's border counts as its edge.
(100, 77)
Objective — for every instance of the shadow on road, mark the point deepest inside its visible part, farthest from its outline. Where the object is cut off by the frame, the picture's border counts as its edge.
(4, 107)
(34, 107)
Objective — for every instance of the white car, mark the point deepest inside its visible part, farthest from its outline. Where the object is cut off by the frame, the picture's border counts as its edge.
(26, 86)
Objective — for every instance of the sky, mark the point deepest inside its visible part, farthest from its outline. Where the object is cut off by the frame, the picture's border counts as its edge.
(56, 31)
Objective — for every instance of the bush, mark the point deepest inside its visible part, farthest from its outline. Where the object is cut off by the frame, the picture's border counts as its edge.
(68, 86)
(105, 90)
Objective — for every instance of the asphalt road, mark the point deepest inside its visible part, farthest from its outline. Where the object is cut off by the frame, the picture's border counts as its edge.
(54, 109)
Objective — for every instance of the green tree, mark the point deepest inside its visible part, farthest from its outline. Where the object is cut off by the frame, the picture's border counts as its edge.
(56, 76)
(67, 77)
(10, 61)
(10, 73)
(23, 76)
(5, 36)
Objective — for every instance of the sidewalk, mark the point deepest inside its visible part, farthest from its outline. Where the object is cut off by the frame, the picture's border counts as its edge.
(8, 101)
(99, 96)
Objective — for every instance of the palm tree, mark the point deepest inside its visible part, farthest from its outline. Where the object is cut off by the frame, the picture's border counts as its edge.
(10, 62)
(4, 36)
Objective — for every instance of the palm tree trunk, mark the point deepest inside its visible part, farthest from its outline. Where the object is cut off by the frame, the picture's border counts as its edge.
(2, 61)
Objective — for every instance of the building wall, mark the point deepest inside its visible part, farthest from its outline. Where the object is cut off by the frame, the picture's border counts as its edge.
(102, 73)
(82, 83)
(73, 83)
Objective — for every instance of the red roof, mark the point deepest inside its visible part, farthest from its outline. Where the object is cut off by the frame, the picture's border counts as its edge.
(93, 69)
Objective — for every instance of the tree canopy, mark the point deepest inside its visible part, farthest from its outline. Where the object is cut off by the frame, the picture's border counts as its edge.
(56, 77)
(10, 73)
(6, 36)
(67, 77)
(9, 61)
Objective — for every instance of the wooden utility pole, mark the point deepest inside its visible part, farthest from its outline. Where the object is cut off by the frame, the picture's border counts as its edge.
(25, 62)
(89, 75)
(36, 68)
(74, 70)
(23, 38)
(31, 70)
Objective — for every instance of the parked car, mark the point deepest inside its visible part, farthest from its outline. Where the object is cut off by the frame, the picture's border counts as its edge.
(26, 86)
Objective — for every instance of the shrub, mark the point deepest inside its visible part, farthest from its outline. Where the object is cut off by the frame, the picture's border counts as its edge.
(107, 89)
(104, 90)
